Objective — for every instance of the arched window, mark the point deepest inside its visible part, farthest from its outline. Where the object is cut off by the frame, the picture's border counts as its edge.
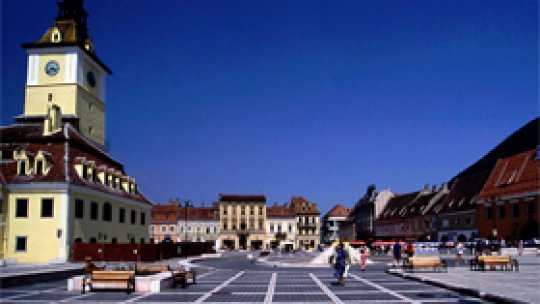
(107, 212)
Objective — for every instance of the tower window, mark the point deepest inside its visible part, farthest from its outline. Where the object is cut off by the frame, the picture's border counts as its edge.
(56, 36)
(90, 129)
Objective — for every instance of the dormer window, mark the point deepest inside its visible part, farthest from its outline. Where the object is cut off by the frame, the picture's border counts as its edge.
(23, 162)
(21, 167)
(94, 175)
(39, 167)
(84, 172)
(56, 36)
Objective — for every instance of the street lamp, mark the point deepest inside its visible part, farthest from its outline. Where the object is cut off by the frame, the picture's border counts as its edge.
(186, 205)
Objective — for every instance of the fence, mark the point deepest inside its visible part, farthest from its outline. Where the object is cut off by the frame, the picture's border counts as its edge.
(138, 252)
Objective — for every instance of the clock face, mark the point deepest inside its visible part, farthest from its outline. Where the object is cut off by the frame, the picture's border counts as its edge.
(91, 79)
(52, 68)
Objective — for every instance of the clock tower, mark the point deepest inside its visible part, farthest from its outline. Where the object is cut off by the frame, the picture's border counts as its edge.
(63, 69)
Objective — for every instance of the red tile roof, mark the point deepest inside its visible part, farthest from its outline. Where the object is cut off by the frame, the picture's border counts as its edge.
(463, 193)
(338, 210)
(513, 175)
(397, 205)
(277, 211)
(302, 206)
(30, 136)
(172, 213)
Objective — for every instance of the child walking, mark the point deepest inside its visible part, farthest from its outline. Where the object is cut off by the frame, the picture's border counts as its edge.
(363, 259)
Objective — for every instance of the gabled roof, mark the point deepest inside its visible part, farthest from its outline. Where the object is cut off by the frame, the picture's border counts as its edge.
(417, 206)
(463, 193)
(397, 205)
(302, 206)
(338, 210)
(277, 211)
(513, 175)
(241, 198)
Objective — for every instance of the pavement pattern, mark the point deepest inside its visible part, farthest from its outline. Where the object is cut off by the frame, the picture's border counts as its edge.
(256, 286)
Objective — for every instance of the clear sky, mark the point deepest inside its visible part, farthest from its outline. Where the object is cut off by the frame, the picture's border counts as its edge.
(311, 98)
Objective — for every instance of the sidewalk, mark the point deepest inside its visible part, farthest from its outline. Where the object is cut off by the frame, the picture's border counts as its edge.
(20, 274)
(500, 286)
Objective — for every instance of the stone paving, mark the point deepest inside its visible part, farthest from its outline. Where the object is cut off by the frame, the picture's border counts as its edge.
(250, 286)
(522, 285)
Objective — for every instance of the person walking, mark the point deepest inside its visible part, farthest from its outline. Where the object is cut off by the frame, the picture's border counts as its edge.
(363, 259)
(410, 250)
(397, 253)
(341, 259)
(520, 247)
(460, 248)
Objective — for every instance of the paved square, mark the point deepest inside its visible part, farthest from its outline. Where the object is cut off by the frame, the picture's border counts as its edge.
(247, 286)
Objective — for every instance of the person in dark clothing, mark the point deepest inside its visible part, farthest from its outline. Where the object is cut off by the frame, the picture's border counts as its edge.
(341, 259)
(397, 253)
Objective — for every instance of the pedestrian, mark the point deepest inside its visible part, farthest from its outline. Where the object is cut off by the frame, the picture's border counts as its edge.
(342, 257)
(397, 253)
(459, 253)
(410, 250)
(520, 247)
(363, 259)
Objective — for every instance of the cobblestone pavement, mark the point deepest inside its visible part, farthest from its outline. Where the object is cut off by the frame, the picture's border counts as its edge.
(256, 286)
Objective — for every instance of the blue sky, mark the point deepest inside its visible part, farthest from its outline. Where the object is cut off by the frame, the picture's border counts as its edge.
(311, 98)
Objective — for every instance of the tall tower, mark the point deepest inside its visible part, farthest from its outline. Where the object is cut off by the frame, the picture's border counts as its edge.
(63, 68)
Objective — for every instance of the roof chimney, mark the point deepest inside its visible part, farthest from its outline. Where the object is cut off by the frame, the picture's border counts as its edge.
(444, 186)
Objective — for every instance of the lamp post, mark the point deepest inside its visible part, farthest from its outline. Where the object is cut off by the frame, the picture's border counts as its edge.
(187, 204)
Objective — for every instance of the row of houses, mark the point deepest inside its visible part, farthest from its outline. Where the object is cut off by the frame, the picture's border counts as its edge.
(239, 222)
(497, 197)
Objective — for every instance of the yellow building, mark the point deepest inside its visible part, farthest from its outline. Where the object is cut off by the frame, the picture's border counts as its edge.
(58, 184)
(242, 221)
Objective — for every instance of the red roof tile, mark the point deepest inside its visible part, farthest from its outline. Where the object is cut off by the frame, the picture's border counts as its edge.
(30, 136)
(279, 212)
(513, 175)
(338, 210)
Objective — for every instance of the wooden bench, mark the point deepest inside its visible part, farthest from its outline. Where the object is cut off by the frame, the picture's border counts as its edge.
(425, 261)
(182, 276)
(149, 269)
(110, 276)
(491, 261)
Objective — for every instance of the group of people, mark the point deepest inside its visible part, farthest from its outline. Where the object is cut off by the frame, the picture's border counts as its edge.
(342, 262)
(398, 249)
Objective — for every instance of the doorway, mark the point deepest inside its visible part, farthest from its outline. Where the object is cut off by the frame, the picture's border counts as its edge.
(242, 239)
